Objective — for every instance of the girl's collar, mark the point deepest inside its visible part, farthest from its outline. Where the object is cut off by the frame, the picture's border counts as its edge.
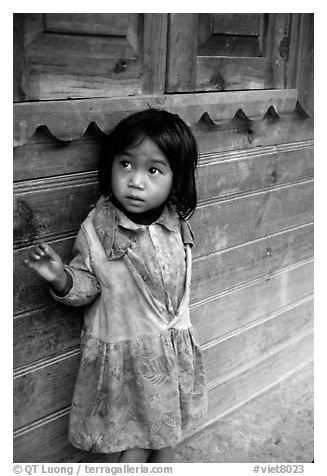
(168, 218)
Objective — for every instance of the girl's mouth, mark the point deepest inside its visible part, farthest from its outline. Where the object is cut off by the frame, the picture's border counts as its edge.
(134, 198)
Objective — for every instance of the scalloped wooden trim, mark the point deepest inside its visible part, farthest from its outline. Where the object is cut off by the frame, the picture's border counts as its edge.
(68, 120)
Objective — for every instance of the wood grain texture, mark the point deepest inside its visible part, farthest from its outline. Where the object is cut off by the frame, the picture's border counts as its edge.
(303, 76)
(234, 391)
(45, 389)
(46, 157)
(19, 76)
(261, 214)
(45, 332)
(233, 52)
(237, 23)
(223, 73)
(155, 53)
(92, 23)
(59, 205)
(278, 52)
(45, 442)
(241, 134)
(232, 309)
(224, 356)
(244, 263)
(82, 55)
(223, 174)
(181, 68)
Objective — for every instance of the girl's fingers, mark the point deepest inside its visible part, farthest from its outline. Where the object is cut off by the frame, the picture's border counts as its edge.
(34, 255)
(29, 264)
(49, 251)
(43, 250)
(39, 250)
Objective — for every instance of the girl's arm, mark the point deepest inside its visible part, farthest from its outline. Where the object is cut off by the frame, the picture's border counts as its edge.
(74, 284)
(85, 286)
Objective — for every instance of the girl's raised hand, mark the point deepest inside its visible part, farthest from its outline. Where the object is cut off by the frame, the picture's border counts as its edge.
(48, 264)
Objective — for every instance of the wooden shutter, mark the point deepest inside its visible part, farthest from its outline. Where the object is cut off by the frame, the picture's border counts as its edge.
(224, 52)
(62, 55)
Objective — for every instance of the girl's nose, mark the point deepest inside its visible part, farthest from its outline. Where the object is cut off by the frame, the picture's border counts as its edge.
(136, 181)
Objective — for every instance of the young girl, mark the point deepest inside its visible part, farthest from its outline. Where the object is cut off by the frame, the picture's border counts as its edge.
(141, 382)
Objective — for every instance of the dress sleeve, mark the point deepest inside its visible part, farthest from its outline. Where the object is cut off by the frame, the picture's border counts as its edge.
(84, 286)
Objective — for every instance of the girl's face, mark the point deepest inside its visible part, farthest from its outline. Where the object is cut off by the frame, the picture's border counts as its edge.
(141, 177)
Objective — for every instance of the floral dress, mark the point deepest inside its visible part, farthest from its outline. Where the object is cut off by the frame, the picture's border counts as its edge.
(141, 378)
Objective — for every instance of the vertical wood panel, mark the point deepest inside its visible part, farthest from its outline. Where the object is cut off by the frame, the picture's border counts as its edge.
(155, 50)
(304, 78)
(280, 50)
(19, 58)
(182, 51)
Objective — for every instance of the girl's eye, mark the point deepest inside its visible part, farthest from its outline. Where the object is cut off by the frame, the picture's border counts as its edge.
(154, 170)
(125, 164)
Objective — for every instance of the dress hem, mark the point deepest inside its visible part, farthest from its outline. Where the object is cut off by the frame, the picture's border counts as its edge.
(153, 448)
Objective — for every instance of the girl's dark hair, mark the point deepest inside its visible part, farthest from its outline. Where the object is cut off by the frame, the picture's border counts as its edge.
(175, 140)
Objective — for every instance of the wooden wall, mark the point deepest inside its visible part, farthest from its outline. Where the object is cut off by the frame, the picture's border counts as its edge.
(252, 287)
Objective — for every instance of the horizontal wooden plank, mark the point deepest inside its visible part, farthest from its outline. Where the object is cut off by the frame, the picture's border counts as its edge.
(47, 157)
(56, 47)
(47, 441)
(220, 225)
(232, 310)
(69, 119)
(242, 346)
(242, 134)
(225, 173)
(43, 207)
(47, 388)
(56, 328)
(46, 331)
(92, 23)
(77, 77)
(220, 271)
(233, 392)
